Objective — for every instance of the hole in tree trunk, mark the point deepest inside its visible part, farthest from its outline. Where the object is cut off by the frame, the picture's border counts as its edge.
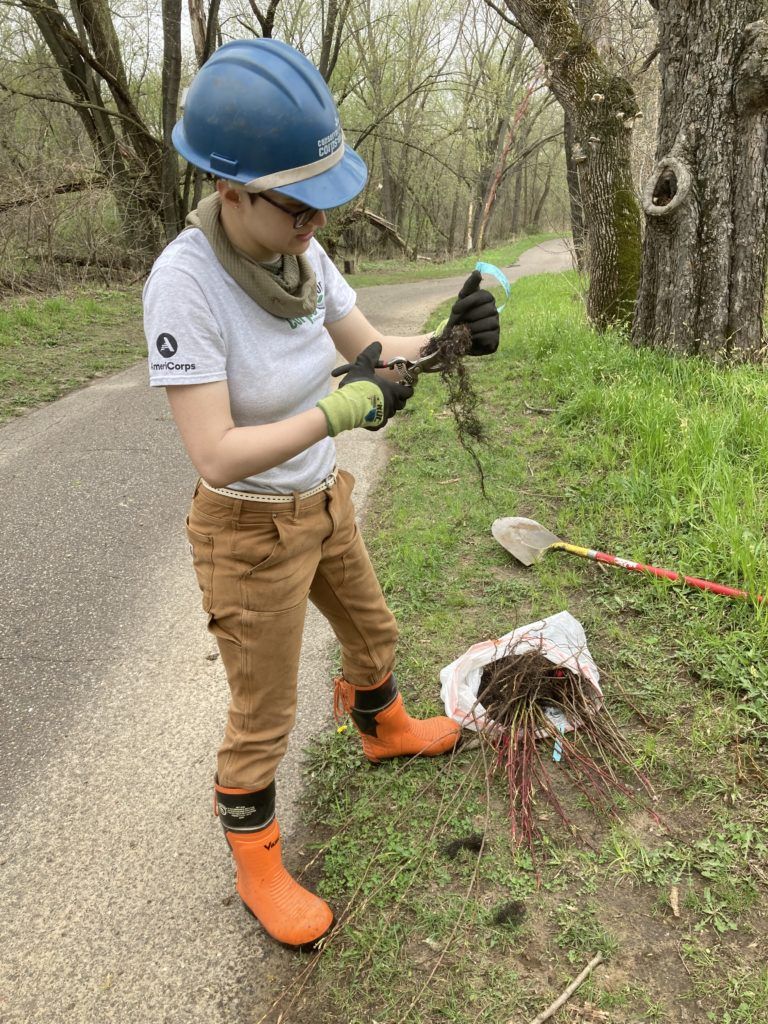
(667, 188)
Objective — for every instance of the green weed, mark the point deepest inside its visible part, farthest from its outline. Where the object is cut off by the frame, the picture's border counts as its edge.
(581, 934)
(741, 999)
(51, 346)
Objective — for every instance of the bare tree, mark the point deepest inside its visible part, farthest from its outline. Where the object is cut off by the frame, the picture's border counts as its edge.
(140, 167)
(333, 15)
(265, 18)
(444, 128)
(398, 79)
(509, 131)
(505, 111)
(204, 25)
(706, 202)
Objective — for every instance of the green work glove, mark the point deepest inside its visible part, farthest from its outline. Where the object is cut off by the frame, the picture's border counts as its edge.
(360, 404)
(362, 398)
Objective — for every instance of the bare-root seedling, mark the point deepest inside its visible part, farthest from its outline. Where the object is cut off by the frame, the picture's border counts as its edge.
(528, 699)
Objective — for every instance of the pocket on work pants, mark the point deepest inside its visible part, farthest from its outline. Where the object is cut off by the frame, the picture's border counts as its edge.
(201, 550)
(281, 562)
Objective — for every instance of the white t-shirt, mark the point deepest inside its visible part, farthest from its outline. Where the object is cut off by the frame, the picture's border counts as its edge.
(201, 327)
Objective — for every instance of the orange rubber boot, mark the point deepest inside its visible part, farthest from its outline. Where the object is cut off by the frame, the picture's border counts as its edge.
(286, 911)
(387, 730)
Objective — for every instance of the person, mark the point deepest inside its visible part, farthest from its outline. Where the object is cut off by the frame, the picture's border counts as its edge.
(244, 315)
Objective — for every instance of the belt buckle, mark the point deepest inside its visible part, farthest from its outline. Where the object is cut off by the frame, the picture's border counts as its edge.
(329, 481)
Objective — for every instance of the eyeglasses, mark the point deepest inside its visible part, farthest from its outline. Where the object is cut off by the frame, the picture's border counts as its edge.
(301, 217)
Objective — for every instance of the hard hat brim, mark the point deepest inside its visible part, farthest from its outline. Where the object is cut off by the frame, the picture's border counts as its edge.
(334, 187)
(331, 188)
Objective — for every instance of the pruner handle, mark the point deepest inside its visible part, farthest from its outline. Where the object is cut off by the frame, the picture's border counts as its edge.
(339, 371)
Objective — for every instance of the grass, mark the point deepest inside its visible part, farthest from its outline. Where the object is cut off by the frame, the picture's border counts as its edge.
(373, 272)
(50, 346)
(654, 458)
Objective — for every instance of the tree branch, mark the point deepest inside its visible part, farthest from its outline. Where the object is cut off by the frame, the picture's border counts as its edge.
(425, 152)
(503, 15)
(75, 104)
(649, 59)
(531, 149)
(63, 30)
(266, 21)
(374, 124)
(70, 186)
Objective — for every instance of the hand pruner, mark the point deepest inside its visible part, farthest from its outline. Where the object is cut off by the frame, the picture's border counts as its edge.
(408, 369)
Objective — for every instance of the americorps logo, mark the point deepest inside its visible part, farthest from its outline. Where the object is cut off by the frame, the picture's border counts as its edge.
(167, 346)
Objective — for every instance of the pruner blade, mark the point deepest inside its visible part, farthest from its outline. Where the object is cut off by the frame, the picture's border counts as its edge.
(409, 369)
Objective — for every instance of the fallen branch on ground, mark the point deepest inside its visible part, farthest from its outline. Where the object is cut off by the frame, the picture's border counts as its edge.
(566, 995)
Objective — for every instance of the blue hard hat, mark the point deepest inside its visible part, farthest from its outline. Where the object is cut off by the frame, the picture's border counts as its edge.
(259, 113)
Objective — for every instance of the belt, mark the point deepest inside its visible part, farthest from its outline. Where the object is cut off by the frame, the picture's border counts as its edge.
(281, 499)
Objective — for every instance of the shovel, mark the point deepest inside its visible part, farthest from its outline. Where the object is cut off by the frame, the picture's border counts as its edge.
(528, 540)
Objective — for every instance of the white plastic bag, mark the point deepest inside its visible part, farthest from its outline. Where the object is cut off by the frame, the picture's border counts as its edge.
(560, 638)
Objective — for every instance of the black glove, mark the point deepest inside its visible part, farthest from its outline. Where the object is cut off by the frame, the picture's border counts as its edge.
(395, 394)
(476, 308)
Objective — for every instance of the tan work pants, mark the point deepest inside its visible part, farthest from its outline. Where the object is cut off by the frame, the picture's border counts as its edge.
(256, 564)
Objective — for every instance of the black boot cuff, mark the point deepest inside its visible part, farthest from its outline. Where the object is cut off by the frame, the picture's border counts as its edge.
(246, 812)
(377, 698)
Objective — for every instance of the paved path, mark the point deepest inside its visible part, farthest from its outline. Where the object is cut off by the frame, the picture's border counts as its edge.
(116, 882)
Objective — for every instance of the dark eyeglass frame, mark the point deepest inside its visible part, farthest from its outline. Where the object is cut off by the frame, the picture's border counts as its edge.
(301, 217)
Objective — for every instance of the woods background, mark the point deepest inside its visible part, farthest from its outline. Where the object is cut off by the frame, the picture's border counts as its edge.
(638, 126)
(447, 103)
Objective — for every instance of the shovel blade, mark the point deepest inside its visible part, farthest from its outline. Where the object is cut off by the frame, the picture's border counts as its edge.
(525, 539)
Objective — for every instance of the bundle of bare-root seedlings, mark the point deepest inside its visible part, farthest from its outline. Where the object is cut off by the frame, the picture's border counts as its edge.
(542, 718)
(454, 344)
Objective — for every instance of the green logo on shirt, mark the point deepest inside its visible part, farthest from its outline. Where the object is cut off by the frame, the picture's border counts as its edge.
(311, 317)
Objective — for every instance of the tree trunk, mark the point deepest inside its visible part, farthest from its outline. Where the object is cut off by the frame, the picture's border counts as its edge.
(602, 108)
(706, 246)
(172, 214)
(334, 18)
(203, 25)
(470, 220)
(89, 58)
(266, 19)
(506, 137)
(516, 201)
(536, 219)
(574, 195)
(454, 221)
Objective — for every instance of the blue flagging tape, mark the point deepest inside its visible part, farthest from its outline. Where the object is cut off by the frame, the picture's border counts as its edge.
(501, 277)
(557, 753)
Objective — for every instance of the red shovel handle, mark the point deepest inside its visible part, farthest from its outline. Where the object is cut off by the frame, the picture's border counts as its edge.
(667, 574)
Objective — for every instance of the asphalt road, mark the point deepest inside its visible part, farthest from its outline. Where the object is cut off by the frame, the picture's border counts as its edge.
(117, 884)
